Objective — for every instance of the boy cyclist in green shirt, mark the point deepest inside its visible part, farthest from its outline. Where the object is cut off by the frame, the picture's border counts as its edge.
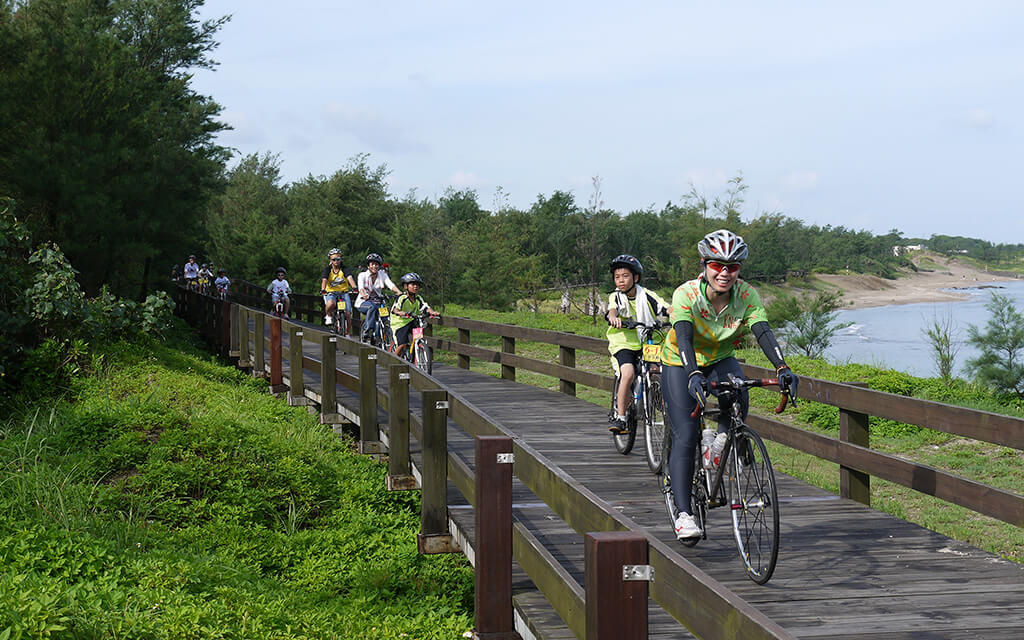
(407, 305)
(629, 301)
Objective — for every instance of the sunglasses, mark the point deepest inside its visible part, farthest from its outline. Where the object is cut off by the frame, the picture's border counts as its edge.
(728, 267)
(335, 259)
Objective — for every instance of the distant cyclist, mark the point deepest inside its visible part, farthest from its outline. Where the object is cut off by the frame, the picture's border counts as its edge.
(191, 273)
(336, 283)
(371, 284)
(279, 290)
(407, 305)
(629, 301)
(710, 315)
(222, 282)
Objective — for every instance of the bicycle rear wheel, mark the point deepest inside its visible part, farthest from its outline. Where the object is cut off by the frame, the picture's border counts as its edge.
(421, 356)
(755, 505)
(654, 424)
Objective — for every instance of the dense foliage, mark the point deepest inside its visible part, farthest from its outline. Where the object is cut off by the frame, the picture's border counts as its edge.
(104, 145)
(146, 506)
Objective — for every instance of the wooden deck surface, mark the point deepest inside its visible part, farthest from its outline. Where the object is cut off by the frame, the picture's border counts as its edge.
(844, 570)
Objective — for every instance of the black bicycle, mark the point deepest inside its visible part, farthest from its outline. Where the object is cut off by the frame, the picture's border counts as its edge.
(745, 482)
(647, 407)
(381, 335)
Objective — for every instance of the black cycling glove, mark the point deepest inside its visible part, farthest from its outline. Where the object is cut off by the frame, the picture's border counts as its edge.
(788, 381)
(697, 386)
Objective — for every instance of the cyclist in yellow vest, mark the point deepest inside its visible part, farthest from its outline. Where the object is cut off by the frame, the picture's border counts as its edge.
(629, 301)
(336, 283)
(709, 315)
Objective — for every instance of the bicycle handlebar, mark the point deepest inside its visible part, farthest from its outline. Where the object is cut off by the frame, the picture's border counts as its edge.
(633, 324)
(742, 383)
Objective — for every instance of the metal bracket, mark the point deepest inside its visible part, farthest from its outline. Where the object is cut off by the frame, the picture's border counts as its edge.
(403, 376)
(332, 339)
(506, 458)
(637, 573)
(441, 404)
(298, 334)
(371, 356)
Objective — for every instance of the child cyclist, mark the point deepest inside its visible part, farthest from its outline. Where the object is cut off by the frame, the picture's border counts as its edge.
(629, 301)
(407, 305)
(222, 282)
(279, 290)
(709, 316)
(336, 283)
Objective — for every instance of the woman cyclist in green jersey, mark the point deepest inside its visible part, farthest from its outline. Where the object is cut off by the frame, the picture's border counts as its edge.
(709, 317)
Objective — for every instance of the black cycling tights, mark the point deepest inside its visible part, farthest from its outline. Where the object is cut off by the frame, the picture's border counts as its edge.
(679, 405)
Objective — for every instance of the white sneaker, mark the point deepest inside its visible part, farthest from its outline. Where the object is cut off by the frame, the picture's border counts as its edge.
(328, 320)
(686, 527)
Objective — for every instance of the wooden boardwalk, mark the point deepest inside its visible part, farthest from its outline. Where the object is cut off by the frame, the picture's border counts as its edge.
(844, 570)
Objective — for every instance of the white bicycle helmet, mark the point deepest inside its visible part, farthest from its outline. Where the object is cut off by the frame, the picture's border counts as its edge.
(333, 251)
(723, 245)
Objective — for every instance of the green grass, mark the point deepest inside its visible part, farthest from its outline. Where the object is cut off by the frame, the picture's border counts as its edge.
(980, 461)
(168, 496)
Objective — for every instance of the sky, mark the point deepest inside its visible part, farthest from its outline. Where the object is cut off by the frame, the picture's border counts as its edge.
(868, 115)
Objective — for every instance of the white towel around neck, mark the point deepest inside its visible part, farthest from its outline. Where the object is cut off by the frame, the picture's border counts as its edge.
(643, 309)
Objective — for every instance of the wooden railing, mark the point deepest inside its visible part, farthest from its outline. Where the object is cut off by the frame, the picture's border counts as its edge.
(851, 450)
(700, 603)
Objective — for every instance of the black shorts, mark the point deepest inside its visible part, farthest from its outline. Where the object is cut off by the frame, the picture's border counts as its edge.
(627, 356)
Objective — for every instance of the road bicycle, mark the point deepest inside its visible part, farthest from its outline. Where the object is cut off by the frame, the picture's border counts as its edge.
(418, 352)
(745, 483)
(648, 406)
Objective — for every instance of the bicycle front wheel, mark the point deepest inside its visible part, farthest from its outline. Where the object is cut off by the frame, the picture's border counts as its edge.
(754, 505)
(654, 424)
(421, 356)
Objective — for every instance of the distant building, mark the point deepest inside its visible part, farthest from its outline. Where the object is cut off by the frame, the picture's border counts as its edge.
(900, 250)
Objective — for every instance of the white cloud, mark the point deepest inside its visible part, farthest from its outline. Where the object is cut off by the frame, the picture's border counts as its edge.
(980, 118)
(466, 180)
(372, 128)
(800, 180)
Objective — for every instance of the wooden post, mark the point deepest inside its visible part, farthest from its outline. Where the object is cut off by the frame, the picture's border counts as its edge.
(224, 348)
(259, 342)
(616, 595)
(369, 438)
(329, 380)
(463, 360)
(508, 345)
(853, 428)
(296, 390)
(276, 374)
(400, 476)
(244, 356)
(434, 536)
(493, 541)
(233, 350)
(567, 357)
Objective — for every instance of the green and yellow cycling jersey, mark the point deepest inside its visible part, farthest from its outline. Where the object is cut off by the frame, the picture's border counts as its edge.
(716, 336)
(406, 304)
(619, 339)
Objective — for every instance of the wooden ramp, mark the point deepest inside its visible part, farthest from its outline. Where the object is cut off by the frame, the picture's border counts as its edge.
(844, 570)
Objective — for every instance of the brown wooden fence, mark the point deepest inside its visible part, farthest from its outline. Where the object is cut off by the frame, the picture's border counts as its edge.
(697, 601)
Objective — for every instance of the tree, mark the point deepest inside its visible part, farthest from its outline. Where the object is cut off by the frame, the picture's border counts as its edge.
(108, 150)
(245, 222)
(1001, 363)
(808, 324)
(941, 337)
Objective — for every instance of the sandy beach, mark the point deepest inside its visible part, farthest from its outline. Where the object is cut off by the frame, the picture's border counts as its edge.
(860, 291)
